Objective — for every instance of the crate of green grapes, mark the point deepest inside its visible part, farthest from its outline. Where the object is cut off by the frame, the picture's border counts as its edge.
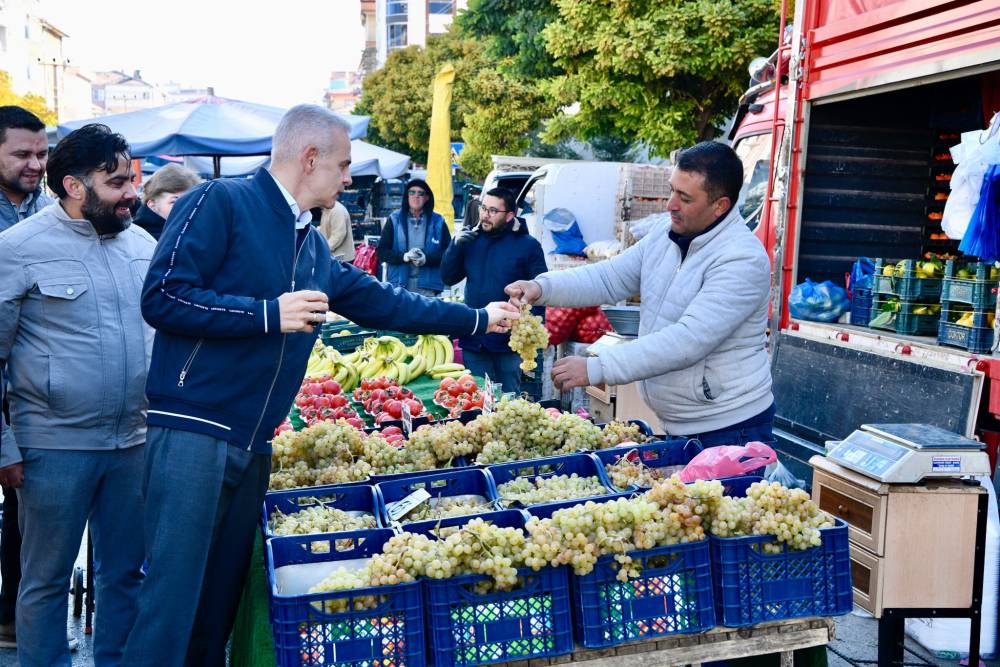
(473, 621)
(672, 594)
(324, 611)
(757, 578)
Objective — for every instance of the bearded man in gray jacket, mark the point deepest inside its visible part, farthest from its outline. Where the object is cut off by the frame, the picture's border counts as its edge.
(76, 350)
(701, 353)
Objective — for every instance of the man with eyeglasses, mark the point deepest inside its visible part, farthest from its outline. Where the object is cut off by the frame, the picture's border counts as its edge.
(704, 282)
(413, 242)
(495, 252)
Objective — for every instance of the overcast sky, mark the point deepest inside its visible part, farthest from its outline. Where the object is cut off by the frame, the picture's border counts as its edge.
(270, 52)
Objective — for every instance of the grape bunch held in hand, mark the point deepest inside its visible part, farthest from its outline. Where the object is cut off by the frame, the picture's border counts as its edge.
(527, 337)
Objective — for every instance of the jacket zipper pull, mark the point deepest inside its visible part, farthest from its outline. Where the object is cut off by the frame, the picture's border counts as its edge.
(180, 379)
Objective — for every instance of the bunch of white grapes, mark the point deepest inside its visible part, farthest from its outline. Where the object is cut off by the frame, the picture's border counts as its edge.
(317, 518)
(527, 337)
(772, 509)
(616, 432)
(521, 429)
(444, 507)
(625, 472)
(533, 491)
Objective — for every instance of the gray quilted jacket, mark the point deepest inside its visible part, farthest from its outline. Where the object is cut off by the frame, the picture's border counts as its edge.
(701, 351)
(72, 335)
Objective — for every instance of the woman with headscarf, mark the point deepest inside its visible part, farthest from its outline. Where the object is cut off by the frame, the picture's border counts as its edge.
(413, 241)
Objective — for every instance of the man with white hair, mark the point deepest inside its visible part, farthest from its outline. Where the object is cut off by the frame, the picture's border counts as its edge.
(237, 286)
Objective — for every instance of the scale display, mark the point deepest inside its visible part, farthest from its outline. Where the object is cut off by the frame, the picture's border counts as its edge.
(908, 453)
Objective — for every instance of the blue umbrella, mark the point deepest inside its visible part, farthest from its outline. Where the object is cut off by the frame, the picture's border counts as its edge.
(212, 126)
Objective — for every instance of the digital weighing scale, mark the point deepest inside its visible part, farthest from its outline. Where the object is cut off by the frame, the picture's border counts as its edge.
(908, 453)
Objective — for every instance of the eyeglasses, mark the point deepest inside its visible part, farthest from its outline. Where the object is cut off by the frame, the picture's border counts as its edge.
(416, 193)
(490, 210)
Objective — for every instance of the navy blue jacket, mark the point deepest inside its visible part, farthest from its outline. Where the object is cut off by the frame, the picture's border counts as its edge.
(490, 263)
(220, 364)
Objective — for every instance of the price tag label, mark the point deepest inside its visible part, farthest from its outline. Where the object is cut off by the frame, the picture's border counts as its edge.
(407, 420)
(489, 395)
(399, 509)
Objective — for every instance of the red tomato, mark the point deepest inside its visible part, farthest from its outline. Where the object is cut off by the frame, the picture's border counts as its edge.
(322, 402)
(392, 430)
(468, 386)
(338, 400)
(356, 422)
(312, 388)
(331, 387)
(446, 383)
(467, 405)
(416, 407)
(455, 389)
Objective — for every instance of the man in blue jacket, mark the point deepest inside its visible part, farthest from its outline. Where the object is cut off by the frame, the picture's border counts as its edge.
(238, 284)
(502, 252)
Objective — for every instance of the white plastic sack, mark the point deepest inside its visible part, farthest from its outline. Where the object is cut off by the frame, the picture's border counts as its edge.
(978, 150)
(949, 637)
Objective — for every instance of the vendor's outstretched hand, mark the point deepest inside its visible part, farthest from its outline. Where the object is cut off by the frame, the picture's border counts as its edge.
(524, 291)
(502, 316)
(570, 372)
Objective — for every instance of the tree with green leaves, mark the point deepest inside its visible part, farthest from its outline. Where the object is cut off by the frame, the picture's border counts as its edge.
(398, 97)
(512, 32)
(502, 124)
(665, 72)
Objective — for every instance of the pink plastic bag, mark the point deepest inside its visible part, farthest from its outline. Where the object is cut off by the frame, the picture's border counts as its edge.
(728, 461)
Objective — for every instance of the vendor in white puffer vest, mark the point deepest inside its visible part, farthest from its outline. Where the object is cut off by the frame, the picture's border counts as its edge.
(704, 284)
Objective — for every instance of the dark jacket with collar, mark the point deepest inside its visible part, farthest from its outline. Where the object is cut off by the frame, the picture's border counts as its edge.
(395, 242)
(488, 264)
(150, 220)
(221, 365)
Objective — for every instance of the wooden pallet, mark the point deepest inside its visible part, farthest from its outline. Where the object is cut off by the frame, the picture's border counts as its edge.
(717, 644)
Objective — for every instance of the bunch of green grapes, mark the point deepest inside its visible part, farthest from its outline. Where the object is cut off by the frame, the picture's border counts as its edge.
(297, 475)
(527, 337)
(527, 491)
(323, 444)
(577, 434)
(342, 579)
(521, 429)
(385, 458)
(446, 441)
(616, 432)
(624, 473)
(772, 509)
(444, 507)
(317, 518)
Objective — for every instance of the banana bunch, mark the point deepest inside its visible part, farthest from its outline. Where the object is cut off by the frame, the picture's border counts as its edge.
(384, 356)
(326, 361)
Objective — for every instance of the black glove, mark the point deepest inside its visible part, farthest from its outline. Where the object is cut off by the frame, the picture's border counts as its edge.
(466, 235)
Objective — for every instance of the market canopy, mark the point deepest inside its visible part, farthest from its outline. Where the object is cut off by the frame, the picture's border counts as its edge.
(366, 160)
(210, 126)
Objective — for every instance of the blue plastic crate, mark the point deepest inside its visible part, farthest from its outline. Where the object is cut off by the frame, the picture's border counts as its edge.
(980, 291)
(978, 340)
(861, 306)
(458, 462)
(306, 632)
(548, 509)
(673, 595)
(583, 465)
(658, 454)
(439, 484)
(467, 628)
(360, 498)
(753, 587)
(908, 286)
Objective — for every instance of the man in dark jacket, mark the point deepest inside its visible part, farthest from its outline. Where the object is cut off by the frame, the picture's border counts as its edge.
(413, 241)
(486, 256)
(238, 284)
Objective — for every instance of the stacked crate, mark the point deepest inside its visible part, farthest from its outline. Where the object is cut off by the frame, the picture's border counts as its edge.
(968, 304)
(913, 300)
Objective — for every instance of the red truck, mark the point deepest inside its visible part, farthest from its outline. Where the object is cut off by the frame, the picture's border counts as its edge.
(845, 146)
